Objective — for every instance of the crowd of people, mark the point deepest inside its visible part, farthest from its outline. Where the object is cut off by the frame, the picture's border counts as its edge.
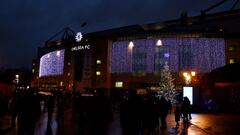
(24, 108)
(139, 114)
(147, 114)
(183, 110)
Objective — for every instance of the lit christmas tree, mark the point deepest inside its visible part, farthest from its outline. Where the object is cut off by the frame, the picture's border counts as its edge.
(166, 86)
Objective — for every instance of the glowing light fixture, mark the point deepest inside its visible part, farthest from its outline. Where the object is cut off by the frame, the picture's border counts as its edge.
(188, 76)
(58, 53)
(193, 73)
(131, 45)
(159, 43)
(98, 61)
(231, 61)
(185, 74)
(98, 73)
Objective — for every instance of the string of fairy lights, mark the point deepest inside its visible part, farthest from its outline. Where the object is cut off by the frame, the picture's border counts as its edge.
(203, 54)
(52, 63)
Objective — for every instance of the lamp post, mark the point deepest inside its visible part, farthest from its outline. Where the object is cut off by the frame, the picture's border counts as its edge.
(16, 80)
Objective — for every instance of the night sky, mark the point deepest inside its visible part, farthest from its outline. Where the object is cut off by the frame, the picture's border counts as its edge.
(27, 24)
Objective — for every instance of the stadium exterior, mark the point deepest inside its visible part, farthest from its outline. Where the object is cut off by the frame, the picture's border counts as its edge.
(131, 57)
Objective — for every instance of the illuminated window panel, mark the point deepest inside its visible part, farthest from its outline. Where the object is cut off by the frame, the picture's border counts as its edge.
(231, 48)
(99, 62)
(188, 92)
(119, 84)
(231, 61)
(98, 73)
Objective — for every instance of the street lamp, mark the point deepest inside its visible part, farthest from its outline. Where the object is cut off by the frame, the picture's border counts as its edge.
(17, 78)
(188, 76)
(188, 90)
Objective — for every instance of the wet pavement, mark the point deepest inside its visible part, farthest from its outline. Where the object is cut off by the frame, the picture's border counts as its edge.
(201, 124)
(218, 124)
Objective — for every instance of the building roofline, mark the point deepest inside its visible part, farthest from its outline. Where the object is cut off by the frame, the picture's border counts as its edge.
(182, 24)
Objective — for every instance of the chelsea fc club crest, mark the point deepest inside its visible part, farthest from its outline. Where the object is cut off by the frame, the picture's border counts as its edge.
(78, 36)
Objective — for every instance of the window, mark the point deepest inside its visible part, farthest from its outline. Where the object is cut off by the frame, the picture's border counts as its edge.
(61, 83)
(98, 73)
(119, 84)
(231, 61)
(231, 48)
(139, 58)
(99, 62)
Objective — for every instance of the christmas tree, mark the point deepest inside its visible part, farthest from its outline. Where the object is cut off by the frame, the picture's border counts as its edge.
(166, 85)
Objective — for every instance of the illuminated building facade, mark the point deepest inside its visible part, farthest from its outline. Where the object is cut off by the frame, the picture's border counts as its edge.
(132, 56)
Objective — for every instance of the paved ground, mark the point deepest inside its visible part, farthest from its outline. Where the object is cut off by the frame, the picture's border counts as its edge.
(218, 124)
(70, 126)
(201, 124)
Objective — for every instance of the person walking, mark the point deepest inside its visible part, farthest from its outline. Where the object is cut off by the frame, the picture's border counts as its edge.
(130, 114)
(169, 106)
(178, 114)
(100, 114)
(186, 111)
(163, 111)
(150, 116)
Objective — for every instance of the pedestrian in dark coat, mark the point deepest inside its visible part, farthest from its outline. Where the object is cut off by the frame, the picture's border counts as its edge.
(177, 114)
(130, 114)
(150, 116)
(100, 114)
(163, 111)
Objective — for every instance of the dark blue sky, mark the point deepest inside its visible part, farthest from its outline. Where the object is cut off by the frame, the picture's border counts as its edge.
(27, 24)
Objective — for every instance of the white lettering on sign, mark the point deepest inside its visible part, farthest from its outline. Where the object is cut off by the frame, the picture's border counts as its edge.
(80, 47)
